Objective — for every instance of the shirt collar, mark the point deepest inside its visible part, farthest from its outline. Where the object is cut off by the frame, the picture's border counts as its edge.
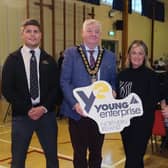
(27, 50)
(87, 48)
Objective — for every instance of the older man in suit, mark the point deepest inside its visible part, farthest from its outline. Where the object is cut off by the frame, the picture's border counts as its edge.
(29, 83)
(83, 65)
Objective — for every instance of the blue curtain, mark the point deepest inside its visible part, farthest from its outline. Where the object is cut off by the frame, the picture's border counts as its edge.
(96, 2)
(119, 5)
(160, 11)
(147, 6)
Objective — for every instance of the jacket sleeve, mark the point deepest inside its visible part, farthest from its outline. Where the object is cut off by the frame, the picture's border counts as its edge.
(66, 76)
(10, 86)
(8, 81)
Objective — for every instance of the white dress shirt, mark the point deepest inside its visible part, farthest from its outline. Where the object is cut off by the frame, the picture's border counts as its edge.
(25, 51)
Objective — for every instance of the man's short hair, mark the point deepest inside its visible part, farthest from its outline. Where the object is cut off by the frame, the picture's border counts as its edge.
(29, 21)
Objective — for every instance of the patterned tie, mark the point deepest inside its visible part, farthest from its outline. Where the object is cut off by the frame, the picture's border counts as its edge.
(92, 60)
(34, 91)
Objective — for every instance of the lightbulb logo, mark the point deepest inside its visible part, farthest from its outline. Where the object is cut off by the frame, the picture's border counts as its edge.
(98, 90)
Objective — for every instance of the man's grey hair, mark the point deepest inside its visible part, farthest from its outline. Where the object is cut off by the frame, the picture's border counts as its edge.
(90, 22)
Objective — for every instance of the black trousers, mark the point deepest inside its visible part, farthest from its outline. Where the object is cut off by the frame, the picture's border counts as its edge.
(22, 131)
(85, 136)
(135, 139)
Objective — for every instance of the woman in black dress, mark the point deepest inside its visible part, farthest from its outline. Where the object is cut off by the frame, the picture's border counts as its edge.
(142, 80)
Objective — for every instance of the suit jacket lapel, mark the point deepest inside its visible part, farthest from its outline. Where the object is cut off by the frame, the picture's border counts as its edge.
(23, 71)
(83, 48)
(42, 69)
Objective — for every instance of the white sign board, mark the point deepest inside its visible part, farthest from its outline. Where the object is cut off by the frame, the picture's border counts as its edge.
(111, 115)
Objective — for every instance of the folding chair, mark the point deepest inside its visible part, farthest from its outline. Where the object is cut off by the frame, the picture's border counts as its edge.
(7, 112)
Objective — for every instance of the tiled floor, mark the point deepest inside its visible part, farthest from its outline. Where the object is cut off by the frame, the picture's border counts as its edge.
(113, 155)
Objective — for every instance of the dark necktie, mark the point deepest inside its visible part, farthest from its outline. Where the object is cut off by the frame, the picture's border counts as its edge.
(33, 76)
(92, 60)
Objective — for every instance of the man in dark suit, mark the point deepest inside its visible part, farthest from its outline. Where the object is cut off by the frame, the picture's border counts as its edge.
(29, 83)
(83, 65)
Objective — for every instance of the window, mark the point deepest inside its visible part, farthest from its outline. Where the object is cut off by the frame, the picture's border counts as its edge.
(137, 6)
(106, 2)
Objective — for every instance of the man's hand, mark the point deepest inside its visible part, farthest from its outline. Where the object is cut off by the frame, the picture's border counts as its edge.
(36, 112)
(79, 110)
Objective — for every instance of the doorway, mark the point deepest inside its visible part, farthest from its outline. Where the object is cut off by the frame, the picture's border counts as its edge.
(111, 45)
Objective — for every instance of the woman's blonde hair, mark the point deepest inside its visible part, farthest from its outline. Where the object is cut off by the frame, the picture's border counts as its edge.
(138, 43)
